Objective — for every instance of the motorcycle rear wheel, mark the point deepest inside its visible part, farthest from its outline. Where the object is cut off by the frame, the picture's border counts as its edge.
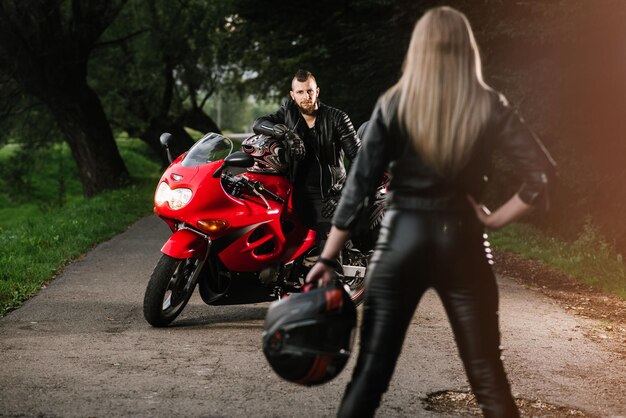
(356, 290)
(355, 286)
(171, 284)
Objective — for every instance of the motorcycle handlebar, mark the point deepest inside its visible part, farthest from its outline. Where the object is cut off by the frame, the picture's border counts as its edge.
(258, 186)
(251, 185)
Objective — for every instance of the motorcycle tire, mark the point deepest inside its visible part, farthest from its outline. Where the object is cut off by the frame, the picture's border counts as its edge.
(171, 284)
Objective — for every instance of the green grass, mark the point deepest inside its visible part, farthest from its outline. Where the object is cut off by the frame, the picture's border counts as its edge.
(37, 237)
(589, 258)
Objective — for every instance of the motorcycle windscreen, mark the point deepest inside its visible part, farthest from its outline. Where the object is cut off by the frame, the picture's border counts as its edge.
(209, 148)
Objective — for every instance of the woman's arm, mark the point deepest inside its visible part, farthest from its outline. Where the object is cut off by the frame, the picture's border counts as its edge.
(530, 159)
(509, 212)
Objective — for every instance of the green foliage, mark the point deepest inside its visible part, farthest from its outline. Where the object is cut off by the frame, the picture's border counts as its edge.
(588, 258)
(355, 48)
(236, 114)
(39, 173)
(140, 160)
(37, 237)
(160, 59)
(43, 61)
(31, 124)
(14, 177)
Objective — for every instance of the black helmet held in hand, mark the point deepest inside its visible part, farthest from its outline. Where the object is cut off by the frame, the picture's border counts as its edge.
(308, 336)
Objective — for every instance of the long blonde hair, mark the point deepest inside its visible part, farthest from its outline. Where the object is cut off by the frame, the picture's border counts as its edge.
(443, 101)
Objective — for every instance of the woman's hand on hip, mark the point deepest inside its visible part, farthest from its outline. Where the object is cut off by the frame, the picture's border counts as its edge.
(509, 212)
(482, 212)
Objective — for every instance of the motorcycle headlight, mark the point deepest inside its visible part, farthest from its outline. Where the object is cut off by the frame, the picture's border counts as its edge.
(176, 198)
(161, 194)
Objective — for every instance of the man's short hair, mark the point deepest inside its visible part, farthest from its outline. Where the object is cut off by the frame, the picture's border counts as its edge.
(303, 75)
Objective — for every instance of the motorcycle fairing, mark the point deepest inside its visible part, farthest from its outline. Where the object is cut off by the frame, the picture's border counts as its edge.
(186, 243)
(221, 243)
(257, 235)
(276, 240)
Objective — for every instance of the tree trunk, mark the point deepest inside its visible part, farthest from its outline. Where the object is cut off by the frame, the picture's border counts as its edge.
(82, 120)
(180, 143)
(195, 118)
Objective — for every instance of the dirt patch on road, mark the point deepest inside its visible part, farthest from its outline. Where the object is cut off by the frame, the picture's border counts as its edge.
(464, 403)
(573, 295)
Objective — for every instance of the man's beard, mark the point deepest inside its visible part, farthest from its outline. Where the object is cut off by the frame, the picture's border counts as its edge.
(310, 110)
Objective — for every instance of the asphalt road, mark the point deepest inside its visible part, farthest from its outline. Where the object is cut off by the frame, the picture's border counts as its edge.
(82, 348)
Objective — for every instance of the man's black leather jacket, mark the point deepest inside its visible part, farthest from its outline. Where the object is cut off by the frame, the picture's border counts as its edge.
(414, 185)
(335, 133)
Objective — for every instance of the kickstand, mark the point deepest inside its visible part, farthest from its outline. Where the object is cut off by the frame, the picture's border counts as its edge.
(278, 292)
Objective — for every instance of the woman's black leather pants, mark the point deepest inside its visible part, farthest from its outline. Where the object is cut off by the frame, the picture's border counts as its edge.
(415, 251)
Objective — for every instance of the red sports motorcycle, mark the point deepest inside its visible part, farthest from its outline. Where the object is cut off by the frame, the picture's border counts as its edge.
(231, 227)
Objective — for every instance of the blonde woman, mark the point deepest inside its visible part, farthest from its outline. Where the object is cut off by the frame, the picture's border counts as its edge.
(435, 131)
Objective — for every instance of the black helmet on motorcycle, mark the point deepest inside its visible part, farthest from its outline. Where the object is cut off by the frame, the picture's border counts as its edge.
(308, 336)
(269, 154)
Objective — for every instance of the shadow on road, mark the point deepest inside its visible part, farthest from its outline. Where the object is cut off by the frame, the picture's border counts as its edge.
(232, 317)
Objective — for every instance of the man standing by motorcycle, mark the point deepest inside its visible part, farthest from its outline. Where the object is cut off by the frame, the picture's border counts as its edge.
(321, 136)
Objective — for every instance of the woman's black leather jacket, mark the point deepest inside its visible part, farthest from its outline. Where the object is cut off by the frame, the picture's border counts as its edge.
(413, 185)
(335, 133)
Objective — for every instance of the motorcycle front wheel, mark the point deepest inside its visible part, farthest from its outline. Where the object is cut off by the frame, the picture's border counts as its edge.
(171, 284)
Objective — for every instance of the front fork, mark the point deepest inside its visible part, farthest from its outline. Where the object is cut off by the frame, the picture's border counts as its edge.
(186, 244)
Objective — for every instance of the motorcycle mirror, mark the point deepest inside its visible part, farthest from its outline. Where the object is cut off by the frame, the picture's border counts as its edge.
(239, 159)
(236, 159)
(165, 139)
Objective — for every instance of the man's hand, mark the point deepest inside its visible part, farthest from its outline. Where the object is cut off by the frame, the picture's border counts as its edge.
(280, 130)
(296, 145)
